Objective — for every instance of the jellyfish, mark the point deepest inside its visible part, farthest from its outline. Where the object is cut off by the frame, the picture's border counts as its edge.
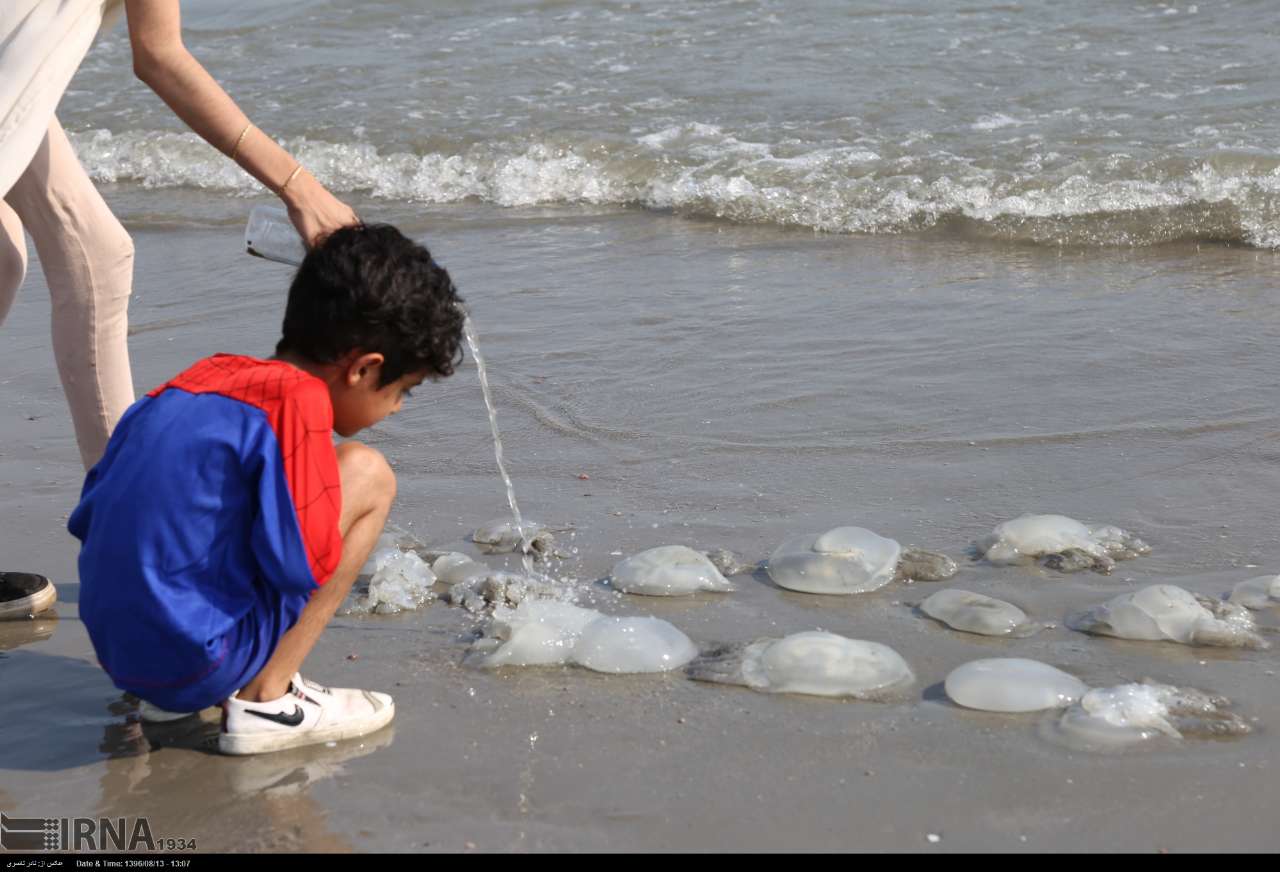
(669, 570)
(815, 662)
(1164, 612)
(975, 613)
(849, 560)
(1060, 543)
(1012, 684)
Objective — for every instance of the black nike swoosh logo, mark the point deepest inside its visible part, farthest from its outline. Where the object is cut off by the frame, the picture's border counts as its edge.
(288, 720)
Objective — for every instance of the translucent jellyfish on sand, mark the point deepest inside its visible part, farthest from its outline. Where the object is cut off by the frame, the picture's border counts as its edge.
(975, 613)
(401, 581)
(669, 570)
(383, 550)
(453, 568)
(546, 632)
(503, 537)
(817, 663)
(535, 633)
(1012, 684)
(1115, 718)
(632, 644)
(1257, 593)
(1059, 542)
(1097, 719)
(1164, 612)
(478, 593)
(849, 560)
(464, 578)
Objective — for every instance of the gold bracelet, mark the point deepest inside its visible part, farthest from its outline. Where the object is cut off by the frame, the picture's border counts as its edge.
(240, 139)
(285, 186)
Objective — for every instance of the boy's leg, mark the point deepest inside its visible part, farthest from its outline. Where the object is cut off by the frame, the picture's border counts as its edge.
(368, 488)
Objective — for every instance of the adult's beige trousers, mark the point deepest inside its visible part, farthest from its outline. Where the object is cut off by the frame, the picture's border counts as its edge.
(87, 257)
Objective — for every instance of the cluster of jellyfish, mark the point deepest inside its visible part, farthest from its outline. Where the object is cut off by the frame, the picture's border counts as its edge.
(530, 622)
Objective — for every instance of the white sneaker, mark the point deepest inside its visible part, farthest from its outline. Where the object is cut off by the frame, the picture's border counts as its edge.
(308, 714)
(153, 714)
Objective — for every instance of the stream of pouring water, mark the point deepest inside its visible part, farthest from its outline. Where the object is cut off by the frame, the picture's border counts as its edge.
(271, 234)
(526, 552)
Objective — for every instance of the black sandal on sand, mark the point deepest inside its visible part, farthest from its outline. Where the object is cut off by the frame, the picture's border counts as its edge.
(24, 595)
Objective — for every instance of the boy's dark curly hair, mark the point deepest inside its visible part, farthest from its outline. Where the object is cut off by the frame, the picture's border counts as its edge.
(370, 287)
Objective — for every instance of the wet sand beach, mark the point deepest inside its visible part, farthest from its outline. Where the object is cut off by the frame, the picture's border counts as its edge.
(719, 385)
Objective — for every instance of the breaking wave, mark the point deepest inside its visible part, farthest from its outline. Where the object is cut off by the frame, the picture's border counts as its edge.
(700, 170)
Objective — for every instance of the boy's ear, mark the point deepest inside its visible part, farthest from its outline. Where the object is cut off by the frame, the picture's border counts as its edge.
(363, 365)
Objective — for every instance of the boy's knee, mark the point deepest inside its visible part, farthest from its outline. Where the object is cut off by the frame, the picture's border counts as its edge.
(365, 470)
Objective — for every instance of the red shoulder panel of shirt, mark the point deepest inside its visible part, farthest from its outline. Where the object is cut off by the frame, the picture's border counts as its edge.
(300, 413)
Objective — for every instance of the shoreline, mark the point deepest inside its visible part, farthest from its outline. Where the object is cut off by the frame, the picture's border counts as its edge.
(873, 418)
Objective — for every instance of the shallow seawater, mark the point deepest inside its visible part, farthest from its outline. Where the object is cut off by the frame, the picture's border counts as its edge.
(743, 270)
(924, 389)
(730, 386)
(1090, 123)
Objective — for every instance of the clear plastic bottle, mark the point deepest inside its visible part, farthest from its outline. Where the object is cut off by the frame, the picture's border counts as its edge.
(271, 234)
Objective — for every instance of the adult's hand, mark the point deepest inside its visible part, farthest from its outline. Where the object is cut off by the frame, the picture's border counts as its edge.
(313, 210)
(161, 59)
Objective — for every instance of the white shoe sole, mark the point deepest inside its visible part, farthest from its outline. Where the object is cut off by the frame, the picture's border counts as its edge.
(29, 606)
(241, 744)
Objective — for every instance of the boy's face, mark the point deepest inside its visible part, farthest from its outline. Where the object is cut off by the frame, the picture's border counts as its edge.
(358, 401)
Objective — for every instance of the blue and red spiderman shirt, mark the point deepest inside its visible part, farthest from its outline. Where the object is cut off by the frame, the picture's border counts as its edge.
(206, 526)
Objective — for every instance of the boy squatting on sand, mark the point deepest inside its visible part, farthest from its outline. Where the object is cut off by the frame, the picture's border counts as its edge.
(222, 528)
